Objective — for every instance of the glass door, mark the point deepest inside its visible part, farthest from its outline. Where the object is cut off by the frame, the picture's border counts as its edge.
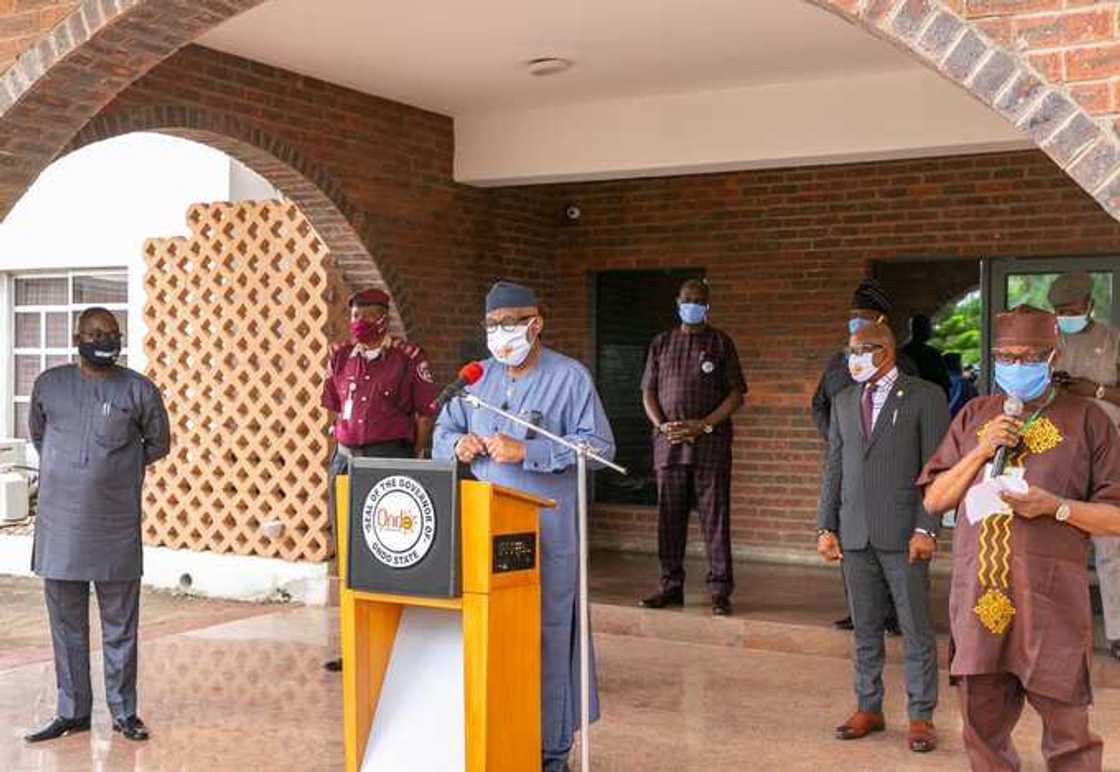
(1009, 282)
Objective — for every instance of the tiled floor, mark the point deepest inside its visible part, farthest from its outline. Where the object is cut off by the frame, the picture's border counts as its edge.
(794, 594)
(248, 693)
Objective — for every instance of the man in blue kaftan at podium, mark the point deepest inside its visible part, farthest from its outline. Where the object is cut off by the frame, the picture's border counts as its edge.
(555, 393)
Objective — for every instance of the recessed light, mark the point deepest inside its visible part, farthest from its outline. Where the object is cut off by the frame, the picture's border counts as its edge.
(548, 65)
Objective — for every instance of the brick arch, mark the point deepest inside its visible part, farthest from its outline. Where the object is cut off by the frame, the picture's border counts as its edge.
(77, 68)
(933, 31)
(340, 223)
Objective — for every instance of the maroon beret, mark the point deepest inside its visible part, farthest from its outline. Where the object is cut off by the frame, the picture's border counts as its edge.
(369, 297)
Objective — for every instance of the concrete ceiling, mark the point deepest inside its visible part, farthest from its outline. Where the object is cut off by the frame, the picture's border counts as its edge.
(458, 58)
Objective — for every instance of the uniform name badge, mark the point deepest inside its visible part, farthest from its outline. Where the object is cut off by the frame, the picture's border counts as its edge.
(348, 406)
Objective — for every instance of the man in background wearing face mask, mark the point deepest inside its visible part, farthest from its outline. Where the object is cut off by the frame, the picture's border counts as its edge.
(381, 392)
(692, 385)
(870, 305)
(1086, 366)
(1019, 606)
(96, 427)
(871, 517)
(556, 393)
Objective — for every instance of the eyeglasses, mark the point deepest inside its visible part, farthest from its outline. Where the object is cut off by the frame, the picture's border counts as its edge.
(1028, 358)
(509, 324)
(866, 348)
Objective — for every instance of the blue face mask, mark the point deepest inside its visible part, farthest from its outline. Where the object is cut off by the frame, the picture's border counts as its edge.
(856, 324)
(1071, 325)
(692, 313)
(1026, 381)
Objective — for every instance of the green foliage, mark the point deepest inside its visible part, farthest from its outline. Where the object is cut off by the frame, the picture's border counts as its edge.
(956, 328)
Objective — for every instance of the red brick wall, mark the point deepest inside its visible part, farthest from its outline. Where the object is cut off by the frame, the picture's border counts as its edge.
(783, 250)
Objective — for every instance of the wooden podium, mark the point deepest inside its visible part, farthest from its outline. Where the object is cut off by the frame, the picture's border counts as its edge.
(500, 615)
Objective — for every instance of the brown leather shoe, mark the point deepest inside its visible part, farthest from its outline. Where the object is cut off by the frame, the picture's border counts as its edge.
(860, 725)
(921, 737)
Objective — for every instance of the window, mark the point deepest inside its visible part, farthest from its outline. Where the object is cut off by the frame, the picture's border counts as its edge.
(45, 312)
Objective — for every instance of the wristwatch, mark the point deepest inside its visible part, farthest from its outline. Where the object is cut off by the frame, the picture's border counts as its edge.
(822, 531)
(1101, 391)
(924, 532)
(708, 428)
(1063, 512)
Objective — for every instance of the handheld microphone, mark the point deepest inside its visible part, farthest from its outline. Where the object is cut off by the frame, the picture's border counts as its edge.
(1012, 406)
(470, 374)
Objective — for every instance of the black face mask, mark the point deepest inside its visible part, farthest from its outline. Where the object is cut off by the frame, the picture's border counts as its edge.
(101, 353)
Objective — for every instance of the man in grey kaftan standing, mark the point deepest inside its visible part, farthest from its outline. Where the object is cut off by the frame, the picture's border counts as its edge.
(555, 393)
(96, 427)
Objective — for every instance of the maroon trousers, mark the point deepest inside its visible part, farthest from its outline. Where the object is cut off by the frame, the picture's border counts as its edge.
(990, 708)
(678, 487)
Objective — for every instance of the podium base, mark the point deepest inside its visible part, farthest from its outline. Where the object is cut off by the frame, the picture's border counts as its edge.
(420, 720)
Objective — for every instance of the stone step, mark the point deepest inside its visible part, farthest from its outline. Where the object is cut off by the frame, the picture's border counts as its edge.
(766, 635)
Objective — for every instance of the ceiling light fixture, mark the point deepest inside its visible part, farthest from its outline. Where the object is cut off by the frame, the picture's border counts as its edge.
(548, 65)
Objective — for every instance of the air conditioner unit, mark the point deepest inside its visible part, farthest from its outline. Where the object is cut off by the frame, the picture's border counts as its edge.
(13, 452)
(14, 485)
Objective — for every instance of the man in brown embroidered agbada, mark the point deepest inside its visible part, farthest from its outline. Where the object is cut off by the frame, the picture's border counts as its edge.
(1019, 602)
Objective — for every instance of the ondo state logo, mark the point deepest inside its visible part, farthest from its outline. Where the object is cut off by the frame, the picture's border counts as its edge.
(399, 521)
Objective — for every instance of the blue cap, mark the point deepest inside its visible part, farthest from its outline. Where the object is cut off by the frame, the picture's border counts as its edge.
(506, 294)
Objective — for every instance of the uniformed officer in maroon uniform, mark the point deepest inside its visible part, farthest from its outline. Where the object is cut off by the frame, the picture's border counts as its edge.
(380, 390)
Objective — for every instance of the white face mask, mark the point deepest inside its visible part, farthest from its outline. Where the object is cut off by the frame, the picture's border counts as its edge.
(862, 367)
(510, 348)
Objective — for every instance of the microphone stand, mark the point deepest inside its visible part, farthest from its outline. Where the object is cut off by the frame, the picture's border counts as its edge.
(584, 453)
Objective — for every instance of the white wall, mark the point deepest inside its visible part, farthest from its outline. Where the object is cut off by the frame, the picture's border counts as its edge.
(95, 207)
(903, 114)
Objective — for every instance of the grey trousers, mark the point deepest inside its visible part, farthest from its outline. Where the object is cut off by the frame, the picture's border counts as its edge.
(873, 578)
(68, 609)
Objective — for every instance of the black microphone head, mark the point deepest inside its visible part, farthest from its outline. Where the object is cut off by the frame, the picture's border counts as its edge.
(1013, 406)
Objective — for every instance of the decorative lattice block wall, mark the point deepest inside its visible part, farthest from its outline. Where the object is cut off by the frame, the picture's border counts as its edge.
(240, 317)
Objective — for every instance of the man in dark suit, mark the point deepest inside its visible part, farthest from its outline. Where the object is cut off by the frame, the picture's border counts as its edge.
(882, 432)
(870, 305)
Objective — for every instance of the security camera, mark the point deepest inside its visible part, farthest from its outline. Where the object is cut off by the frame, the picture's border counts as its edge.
(572, 213)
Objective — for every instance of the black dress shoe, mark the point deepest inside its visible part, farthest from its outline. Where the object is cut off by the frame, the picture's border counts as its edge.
(663, 598)
(721, 606)
(131, 727)
(333, 665)
(844, 624)
(58, 727)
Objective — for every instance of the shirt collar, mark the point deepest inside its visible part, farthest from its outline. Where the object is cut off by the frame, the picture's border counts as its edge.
(369, 354)
(886, 382)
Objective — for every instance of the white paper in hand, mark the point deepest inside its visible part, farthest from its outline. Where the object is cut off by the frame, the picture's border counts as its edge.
(984, 500)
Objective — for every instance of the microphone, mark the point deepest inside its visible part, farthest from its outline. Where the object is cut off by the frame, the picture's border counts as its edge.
(1012, 406)
(470, 374)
